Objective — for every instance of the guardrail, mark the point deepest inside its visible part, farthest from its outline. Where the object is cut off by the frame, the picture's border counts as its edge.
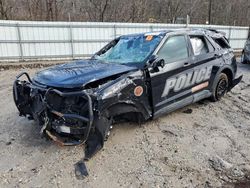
(24, 40)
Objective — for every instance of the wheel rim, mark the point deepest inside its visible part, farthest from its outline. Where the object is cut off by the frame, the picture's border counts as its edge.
(222, 88)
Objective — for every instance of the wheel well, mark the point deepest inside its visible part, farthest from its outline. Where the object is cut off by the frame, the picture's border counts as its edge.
(229, 74)
(136, 117)
(125, 111)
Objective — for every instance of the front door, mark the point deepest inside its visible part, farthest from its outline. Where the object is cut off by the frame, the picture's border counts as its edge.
(166, 87)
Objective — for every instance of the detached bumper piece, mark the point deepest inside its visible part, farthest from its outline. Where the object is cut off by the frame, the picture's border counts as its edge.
(65, 117)
(81, 171)
(235, 82)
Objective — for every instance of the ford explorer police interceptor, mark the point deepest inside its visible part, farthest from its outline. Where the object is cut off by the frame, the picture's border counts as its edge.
(133, 78)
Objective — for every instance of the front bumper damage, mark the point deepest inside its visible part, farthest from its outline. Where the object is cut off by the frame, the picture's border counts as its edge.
(66, 127)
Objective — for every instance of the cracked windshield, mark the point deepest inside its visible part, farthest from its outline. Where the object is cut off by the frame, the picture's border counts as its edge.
(131, 49)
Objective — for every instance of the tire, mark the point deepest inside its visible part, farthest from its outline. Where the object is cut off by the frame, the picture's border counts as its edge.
(220, 88)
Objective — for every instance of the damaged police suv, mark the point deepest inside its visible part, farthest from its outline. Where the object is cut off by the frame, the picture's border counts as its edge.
(133, 78)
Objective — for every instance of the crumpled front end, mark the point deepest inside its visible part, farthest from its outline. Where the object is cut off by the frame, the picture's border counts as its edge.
(66, 117)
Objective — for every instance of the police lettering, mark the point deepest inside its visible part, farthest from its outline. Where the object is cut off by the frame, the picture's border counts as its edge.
(186, 80)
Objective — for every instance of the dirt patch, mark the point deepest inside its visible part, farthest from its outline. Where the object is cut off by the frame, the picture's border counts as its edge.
(203, 145)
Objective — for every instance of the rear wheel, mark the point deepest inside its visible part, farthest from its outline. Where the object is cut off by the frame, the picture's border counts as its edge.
(221, 87)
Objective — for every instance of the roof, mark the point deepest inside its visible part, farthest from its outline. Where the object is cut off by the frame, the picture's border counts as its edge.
(195, 31)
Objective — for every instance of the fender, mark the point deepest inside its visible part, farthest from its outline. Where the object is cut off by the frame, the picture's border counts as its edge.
(216, 73)
(113, 100)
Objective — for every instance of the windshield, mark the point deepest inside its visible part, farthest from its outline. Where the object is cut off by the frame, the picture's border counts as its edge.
(129, 49)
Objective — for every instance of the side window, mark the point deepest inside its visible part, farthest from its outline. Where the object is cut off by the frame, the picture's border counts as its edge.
(222, 43)
(200, 45)
(174, 49)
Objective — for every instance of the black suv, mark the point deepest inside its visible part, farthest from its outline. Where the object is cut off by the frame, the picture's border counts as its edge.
(245, 58)
(133, 78)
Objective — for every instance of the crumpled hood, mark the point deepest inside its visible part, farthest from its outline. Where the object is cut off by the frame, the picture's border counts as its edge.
(79, 73)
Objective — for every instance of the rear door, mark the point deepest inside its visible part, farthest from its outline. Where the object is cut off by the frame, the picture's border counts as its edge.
(205, 57)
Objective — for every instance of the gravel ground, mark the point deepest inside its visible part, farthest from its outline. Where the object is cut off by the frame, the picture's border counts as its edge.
(202, 145)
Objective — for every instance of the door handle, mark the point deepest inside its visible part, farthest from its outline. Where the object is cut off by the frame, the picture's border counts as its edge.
(186, 64)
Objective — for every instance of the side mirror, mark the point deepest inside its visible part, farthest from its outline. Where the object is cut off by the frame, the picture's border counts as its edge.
(158, 63)
(155, 62)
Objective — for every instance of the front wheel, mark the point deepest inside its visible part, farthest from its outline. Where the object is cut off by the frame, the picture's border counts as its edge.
(221, 87)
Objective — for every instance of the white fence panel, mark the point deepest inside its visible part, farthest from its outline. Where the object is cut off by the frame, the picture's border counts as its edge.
(23, 40)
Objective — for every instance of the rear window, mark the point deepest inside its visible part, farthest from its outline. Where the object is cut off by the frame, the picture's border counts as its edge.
(222, 43)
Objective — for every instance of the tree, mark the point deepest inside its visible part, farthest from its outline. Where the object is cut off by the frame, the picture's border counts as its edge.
(162, 11)
(6, 8)
(96, 9)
